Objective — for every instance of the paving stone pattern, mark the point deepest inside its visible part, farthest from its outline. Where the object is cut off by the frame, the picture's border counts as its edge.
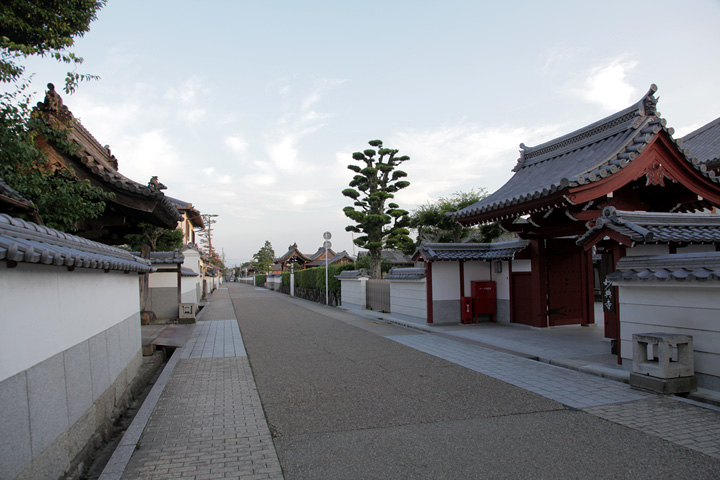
(208, 422)
(691, 426)
(571, 388)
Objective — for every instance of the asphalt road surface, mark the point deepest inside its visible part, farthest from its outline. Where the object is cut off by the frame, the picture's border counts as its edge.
(343, 402)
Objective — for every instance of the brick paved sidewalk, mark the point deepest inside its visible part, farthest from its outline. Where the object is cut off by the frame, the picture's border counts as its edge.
(670, 418)
(208, 421)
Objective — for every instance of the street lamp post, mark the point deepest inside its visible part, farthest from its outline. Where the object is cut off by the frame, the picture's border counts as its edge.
(327, 236)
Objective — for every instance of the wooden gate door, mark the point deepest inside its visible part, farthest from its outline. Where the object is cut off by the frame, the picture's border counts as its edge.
(567, 283)
(521, 309)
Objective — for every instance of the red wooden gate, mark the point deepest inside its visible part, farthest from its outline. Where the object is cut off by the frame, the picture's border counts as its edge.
(567, 283)
(521, 309)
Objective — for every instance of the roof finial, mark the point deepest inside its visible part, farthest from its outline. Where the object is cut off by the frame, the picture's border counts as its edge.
(521, 160)
(649, 102)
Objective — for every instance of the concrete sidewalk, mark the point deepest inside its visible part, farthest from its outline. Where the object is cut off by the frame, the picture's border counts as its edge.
(203, 419)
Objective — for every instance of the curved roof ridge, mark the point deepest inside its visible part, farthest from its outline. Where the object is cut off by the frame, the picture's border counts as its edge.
(603, 128)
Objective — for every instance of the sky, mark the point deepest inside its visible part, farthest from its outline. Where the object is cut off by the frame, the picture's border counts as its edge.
(251, 110)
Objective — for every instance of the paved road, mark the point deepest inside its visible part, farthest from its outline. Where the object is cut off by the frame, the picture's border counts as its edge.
(348, 397)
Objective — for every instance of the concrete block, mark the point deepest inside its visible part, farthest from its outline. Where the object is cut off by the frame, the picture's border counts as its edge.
(78, 378)
(114, 355)
(99, 368)
(15, 448)
(47, 396)
(666, 386)
(663, 355)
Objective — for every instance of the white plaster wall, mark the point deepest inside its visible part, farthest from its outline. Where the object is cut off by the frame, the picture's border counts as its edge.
(189, 290)
(474, 272)
(521, 265)
(47, 309)
(352, 293)
(409, 298)
(445, 281)
(163, 280)
(687, 308)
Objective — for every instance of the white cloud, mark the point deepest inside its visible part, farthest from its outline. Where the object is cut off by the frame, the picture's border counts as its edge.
(461, 157)
(607, 84)
(236, 143)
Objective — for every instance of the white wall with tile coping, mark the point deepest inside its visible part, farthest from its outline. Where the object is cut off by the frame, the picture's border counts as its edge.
(70, 346)
(686, 308)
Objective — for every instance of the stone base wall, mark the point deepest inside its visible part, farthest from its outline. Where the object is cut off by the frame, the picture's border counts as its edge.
(56, 413)
(312, 294)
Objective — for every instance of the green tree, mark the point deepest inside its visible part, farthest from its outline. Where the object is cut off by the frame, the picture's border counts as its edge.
(264, 258)
(45, 28)
(434, 225)
(374, 183)
(157, 238)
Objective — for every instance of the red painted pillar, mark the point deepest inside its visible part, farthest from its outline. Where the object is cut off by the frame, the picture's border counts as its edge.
(429, 296)
(538, 275)
(462, 278)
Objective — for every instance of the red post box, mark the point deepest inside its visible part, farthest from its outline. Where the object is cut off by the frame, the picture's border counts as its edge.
(484, 299)
(466, 313)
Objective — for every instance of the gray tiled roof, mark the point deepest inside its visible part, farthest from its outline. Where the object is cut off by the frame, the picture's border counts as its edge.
(673, 267)
(157, 258)
(654, 227)
(11, 193)
(186, 272)
(22, 241)
(332, 260)
(319, 253)
(590, 154)
(347, 274)
(704, 143)
(413, 273)
(469, 251)
(293, 249)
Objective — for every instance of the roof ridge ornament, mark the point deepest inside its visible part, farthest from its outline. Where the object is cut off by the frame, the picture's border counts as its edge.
(53, 103)
(521, 160)
(648, 105)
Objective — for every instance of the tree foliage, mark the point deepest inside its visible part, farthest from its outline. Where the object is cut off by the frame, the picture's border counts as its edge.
(376, 180)
(434, 225)
(45, 28)
(157, 238)
(264, 258)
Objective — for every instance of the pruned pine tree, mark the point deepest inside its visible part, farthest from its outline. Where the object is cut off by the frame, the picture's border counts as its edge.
(380, 224)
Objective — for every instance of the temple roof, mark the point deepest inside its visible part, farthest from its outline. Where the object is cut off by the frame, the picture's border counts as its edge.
(704, 144)
(293, 252)
(336, 257)
(672, 267)
(320, 252)
(22, 241)
(432, 252)
(192, 213)
(99, 163)
(587, 155)
(653, 227)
